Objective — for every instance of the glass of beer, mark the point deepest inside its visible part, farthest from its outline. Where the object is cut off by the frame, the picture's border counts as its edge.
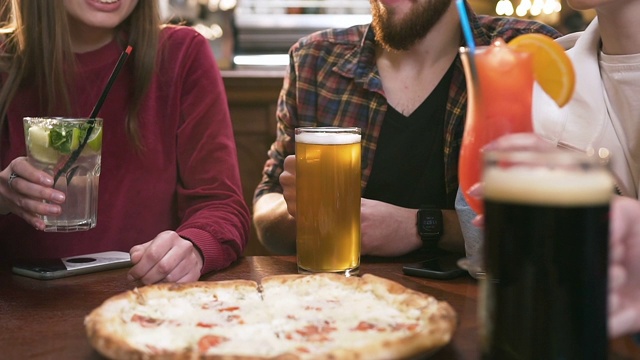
(328, 199)
(544, 295)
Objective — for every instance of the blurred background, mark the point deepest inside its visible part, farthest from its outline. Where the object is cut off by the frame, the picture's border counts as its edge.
(259, 32)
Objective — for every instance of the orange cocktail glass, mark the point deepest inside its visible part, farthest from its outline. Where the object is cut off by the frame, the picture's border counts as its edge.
(498, 103)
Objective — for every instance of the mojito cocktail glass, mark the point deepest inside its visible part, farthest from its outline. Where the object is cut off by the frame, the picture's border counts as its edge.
(53, 143)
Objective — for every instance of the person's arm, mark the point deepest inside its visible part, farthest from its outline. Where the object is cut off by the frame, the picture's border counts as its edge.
(389, 230)
(210, 203)
(275, 227)
(273, 216)
(212, 214)
(624, 267)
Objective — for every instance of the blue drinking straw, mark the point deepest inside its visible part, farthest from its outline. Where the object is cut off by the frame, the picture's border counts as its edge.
(471, 45)
(466, 28)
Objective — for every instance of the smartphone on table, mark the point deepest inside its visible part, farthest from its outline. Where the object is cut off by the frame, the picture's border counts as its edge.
(47, 269)
(443, 266)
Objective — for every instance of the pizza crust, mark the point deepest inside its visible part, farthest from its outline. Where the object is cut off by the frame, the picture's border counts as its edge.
(440, 316)
(283, 317)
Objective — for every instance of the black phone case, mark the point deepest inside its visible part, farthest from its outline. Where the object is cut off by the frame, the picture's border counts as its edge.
(438, 268)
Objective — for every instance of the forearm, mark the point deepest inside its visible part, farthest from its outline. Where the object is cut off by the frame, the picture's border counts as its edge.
(276, 229)
(390, 230)
(218, 246)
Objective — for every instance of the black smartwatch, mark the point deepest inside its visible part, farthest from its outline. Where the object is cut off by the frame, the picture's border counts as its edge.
(430, 225)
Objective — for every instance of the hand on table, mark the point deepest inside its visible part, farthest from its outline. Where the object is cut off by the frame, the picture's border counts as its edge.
(167, 258)
(26, 193)
(624, 267)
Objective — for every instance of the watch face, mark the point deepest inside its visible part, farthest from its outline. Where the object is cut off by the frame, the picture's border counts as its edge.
(430, 222)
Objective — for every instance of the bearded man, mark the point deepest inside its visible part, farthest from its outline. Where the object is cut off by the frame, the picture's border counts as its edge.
(401, 81)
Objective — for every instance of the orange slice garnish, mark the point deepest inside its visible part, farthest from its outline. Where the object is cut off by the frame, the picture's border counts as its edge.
(552, 68)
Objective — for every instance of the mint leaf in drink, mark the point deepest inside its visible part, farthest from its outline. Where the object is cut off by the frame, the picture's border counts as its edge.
(61, 139)
(66, 138)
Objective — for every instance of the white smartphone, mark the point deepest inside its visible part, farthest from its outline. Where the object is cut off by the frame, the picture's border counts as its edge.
(63, 267)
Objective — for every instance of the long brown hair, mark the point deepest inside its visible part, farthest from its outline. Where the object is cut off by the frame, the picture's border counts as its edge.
(35, 48)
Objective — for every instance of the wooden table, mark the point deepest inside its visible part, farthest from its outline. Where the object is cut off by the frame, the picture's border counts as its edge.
(44, 319)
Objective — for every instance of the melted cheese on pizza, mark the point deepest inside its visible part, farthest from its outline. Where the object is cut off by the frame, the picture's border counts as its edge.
(321, 315)
(302, 315)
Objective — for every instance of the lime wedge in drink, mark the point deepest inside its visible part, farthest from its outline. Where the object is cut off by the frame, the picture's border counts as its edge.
(75, 139)
(38, 136)
(95, 140)
(39, 145)
(47, 155)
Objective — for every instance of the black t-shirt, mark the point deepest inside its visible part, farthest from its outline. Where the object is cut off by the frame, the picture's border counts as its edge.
(408, 168)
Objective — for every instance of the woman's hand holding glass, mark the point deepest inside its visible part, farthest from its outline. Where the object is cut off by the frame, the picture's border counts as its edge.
(26, 194)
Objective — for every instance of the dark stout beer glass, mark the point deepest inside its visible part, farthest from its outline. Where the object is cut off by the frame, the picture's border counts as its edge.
(546, 251)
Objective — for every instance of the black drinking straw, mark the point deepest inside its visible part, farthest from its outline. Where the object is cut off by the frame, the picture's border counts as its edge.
(94, 113)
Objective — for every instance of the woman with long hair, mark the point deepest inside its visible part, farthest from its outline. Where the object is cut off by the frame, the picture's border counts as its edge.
(170, 190)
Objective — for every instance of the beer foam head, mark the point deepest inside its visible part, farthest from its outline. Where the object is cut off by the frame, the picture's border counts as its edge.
(328, 137)
(541, 185)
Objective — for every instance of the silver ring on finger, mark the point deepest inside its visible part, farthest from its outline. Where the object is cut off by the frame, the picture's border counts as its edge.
(12, 177)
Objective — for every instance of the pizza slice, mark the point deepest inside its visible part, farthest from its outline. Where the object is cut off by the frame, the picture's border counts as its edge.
(369, 317)
(167, 319)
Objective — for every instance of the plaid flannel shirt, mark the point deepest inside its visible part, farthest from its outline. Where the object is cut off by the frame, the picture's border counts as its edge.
(333, 80)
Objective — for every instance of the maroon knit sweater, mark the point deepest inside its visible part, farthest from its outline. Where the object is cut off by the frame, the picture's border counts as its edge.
(187, 177)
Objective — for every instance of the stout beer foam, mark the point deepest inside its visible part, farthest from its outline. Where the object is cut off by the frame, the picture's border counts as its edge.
(321, 138)
(543, 186)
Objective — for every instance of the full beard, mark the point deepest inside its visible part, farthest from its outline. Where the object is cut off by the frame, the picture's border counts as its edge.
(401, 34)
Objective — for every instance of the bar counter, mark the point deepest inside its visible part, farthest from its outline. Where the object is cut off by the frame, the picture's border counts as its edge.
(43, 319)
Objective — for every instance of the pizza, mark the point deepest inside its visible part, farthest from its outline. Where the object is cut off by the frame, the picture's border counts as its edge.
(320, 316)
